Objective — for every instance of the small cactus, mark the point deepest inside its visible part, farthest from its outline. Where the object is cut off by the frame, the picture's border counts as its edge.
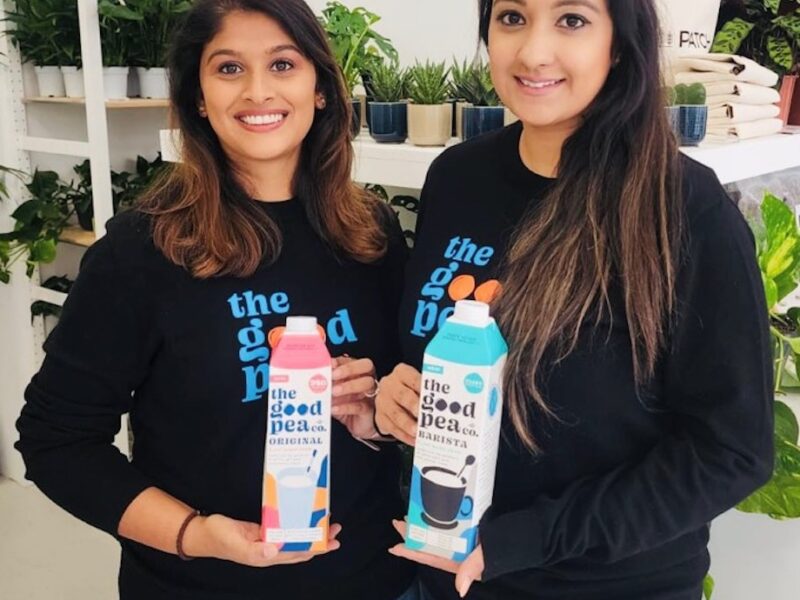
(690, 95)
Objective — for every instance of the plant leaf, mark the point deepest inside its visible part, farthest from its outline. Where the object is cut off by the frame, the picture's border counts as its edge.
(786, 427)
(708, 587)
(729, 39)
(780, 51)
(773, 5)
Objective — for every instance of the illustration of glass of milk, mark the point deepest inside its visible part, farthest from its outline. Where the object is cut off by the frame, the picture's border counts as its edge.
(458, 433)
(295, 507)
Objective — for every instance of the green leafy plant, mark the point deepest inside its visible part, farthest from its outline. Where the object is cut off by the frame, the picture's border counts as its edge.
(428, 83)
(159, 20)
(67, 35)
(127, 187)
(119, 26)
(355, 44)
(708, 587)
(34, 25)
(768, 31)
(41, 308)
(778, 246)
(690, 95)
(387, 82)
(39, 223)
(473, 84)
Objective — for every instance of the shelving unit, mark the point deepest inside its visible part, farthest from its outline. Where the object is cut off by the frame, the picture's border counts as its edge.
(95, 148)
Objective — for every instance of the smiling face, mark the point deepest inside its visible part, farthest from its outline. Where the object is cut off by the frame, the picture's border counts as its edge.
(550, 58)
(258, 90)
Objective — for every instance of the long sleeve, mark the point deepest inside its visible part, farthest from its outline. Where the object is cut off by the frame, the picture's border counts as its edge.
(95, 358)
(717, 389)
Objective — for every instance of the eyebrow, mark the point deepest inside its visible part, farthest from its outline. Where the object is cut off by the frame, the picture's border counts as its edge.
(560, 4)
(273, 50)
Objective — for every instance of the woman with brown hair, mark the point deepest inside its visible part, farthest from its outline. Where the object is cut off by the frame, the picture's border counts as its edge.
(638, 383)
(175, 310)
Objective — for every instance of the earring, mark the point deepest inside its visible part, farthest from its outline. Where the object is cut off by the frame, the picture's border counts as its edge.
(202, 112)
(321, 102)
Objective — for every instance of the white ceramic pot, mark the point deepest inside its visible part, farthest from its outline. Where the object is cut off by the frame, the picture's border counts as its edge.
(153, 83)
(73, 82)
(430, 125)
(115, 82)
(51, 82)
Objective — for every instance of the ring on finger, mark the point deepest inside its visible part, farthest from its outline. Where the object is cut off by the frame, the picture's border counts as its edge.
(374, 392)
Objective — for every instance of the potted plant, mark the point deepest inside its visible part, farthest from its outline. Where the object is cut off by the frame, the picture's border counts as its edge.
(356, 46)
(159, 19)
(39, 223)
(118, 26)
(33, 33)
(388, 107)
(693, 113)
(67, 39)
(768, 31)
(459, 72)
(430, 116)
(484, 112)
(80, 196)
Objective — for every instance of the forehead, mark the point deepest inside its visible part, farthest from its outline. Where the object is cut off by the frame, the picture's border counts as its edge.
(240, 29)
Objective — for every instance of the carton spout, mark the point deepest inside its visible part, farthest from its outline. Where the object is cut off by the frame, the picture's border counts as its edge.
(473, 313)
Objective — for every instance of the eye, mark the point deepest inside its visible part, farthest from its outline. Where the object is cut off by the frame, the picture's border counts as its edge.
(230, 69)
(282, 65)
(573, 22)
(510, 18)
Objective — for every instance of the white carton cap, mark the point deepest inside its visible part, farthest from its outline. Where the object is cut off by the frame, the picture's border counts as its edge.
(301, 325)
(472, 313)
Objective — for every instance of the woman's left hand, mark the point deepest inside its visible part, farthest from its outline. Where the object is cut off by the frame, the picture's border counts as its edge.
(353, 382)
(466, 572)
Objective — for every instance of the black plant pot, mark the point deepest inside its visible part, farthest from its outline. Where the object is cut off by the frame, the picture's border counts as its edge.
(355, 126)
(388, 121)
(482, 119)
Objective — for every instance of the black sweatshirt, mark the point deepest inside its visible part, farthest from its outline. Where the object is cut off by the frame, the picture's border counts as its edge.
(187, 358)
(617, 505)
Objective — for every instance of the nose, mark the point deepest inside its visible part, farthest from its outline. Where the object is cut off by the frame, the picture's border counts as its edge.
(537, 49)
(259, 89)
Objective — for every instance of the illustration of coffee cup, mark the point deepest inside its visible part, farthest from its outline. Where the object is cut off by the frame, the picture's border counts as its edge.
(443, 499)
(296, 489)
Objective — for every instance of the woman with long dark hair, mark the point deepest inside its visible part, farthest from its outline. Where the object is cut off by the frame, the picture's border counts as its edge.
(638, 383)
(175, 311)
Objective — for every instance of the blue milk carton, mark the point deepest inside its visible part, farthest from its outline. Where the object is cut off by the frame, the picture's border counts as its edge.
(458, 433)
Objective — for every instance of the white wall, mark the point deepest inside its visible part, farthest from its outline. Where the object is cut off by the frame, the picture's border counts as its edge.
(752, 556)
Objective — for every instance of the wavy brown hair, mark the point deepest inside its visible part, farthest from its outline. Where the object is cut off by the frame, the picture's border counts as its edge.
(613, 219)
(203, 219)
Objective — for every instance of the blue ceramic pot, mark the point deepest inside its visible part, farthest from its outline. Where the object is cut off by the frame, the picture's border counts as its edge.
(693, 124)
(482, 119)
(388, 121)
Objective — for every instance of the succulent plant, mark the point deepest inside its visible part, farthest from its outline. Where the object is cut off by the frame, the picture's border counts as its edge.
(690, 95)
(428, 83)
(387, 82)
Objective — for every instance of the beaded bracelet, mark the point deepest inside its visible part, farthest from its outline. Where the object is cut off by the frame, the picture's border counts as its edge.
(181, 531)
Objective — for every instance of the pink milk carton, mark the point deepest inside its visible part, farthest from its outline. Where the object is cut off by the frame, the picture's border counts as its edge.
(295, 507)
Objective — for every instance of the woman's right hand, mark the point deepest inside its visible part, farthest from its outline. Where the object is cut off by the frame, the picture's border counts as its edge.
(217, 536)
(397, 404)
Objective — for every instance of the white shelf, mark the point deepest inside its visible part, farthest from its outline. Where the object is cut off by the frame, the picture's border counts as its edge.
(56, 146)
(113, 104)
(405, 165)
(749, 158)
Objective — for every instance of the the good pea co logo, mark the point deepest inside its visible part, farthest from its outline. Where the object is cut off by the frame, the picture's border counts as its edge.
(460, 251)
(255, 342)
(286, 416)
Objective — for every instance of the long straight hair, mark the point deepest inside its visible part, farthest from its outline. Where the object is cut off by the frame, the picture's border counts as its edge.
(203, 219)
(613, 218)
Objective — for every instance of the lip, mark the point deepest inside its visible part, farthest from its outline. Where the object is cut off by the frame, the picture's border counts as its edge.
(266, 128)
(543, 91)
